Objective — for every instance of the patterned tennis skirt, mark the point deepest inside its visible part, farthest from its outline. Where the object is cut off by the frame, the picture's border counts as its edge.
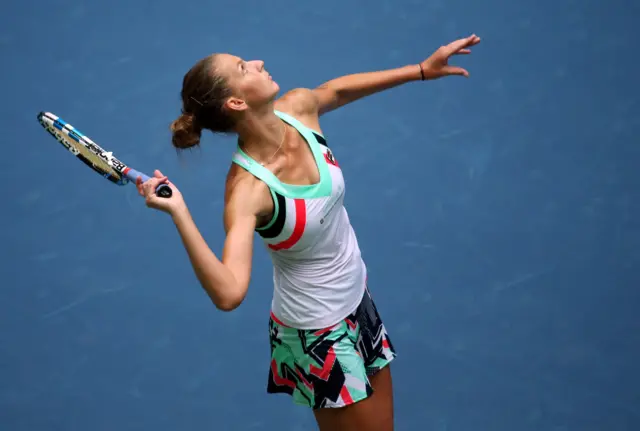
(330, 367)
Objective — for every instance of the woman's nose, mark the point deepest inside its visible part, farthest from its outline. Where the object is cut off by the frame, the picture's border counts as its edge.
(259, 64)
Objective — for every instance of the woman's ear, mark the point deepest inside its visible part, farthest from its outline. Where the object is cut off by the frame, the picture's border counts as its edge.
(236, 104)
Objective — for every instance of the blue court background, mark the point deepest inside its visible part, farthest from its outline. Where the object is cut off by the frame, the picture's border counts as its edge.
(498, 215)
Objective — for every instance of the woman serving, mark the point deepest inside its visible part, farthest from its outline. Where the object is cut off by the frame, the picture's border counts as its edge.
(329, 347)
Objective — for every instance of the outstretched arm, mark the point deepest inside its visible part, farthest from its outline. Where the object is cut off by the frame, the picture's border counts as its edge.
(346, 89)
(349, 88)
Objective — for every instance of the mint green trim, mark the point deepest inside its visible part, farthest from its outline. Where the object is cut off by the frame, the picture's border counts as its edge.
(294, 191)
(237, 160)
(275, 211)
(296, 123)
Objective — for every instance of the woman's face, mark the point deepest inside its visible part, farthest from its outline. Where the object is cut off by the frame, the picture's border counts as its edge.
(250, 82)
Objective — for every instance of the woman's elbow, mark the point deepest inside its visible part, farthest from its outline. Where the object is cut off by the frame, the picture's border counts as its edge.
(228, 302)
(227, 305)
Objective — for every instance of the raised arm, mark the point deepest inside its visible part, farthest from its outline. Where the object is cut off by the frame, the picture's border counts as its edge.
(225, 280)
(349, 88)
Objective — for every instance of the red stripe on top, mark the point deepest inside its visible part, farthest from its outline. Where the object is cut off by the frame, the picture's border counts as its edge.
(298, 229)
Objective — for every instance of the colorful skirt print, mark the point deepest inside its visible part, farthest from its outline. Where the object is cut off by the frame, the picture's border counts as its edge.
(329, 367)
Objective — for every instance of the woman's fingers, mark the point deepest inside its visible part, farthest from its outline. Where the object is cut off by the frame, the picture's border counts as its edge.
(461, 44)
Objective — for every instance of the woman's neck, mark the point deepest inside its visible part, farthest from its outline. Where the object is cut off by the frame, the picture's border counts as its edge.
(261, 134)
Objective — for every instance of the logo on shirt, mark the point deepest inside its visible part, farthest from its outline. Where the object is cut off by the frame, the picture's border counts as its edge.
(328, 156)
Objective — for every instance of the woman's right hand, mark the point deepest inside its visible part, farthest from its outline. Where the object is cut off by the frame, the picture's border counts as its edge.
(147, 190)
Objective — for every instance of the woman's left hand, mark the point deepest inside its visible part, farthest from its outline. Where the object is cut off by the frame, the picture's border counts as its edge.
(437, 65)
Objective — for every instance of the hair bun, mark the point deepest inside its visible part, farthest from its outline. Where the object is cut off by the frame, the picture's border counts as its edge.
(186, 131)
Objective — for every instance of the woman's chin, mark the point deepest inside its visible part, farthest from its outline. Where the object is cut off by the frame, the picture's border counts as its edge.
(276, 88)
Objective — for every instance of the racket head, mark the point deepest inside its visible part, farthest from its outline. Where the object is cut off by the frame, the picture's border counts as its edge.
(85, 149)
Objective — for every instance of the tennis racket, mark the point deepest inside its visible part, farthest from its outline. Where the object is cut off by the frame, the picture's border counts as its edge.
(93, 155)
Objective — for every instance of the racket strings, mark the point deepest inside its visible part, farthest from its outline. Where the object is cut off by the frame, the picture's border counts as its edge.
(88, 151)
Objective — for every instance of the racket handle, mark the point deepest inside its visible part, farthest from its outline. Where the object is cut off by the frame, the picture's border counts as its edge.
(163, 190)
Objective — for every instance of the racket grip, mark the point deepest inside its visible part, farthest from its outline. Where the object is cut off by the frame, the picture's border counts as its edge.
(163, 190)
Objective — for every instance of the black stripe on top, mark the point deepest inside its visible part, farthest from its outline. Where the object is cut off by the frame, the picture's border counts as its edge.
(320, 139)
(277, 226)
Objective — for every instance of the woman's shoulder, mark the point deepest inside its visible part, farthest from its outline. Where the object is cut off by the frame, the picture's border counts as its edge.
(244, 193)
(298, 100)
(240, 181)
(301, 104)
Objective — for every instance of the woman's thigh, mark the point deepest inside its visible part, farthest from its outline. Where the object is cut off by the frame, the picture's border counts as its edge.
(374, 413)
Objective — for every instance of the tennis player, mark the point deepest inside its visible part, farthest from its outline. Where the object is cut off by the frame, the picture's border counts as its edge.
(330, 350)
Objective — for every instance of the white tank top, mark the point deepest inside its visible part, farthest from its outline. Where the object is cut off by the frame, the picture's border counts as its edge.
(319, 275)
